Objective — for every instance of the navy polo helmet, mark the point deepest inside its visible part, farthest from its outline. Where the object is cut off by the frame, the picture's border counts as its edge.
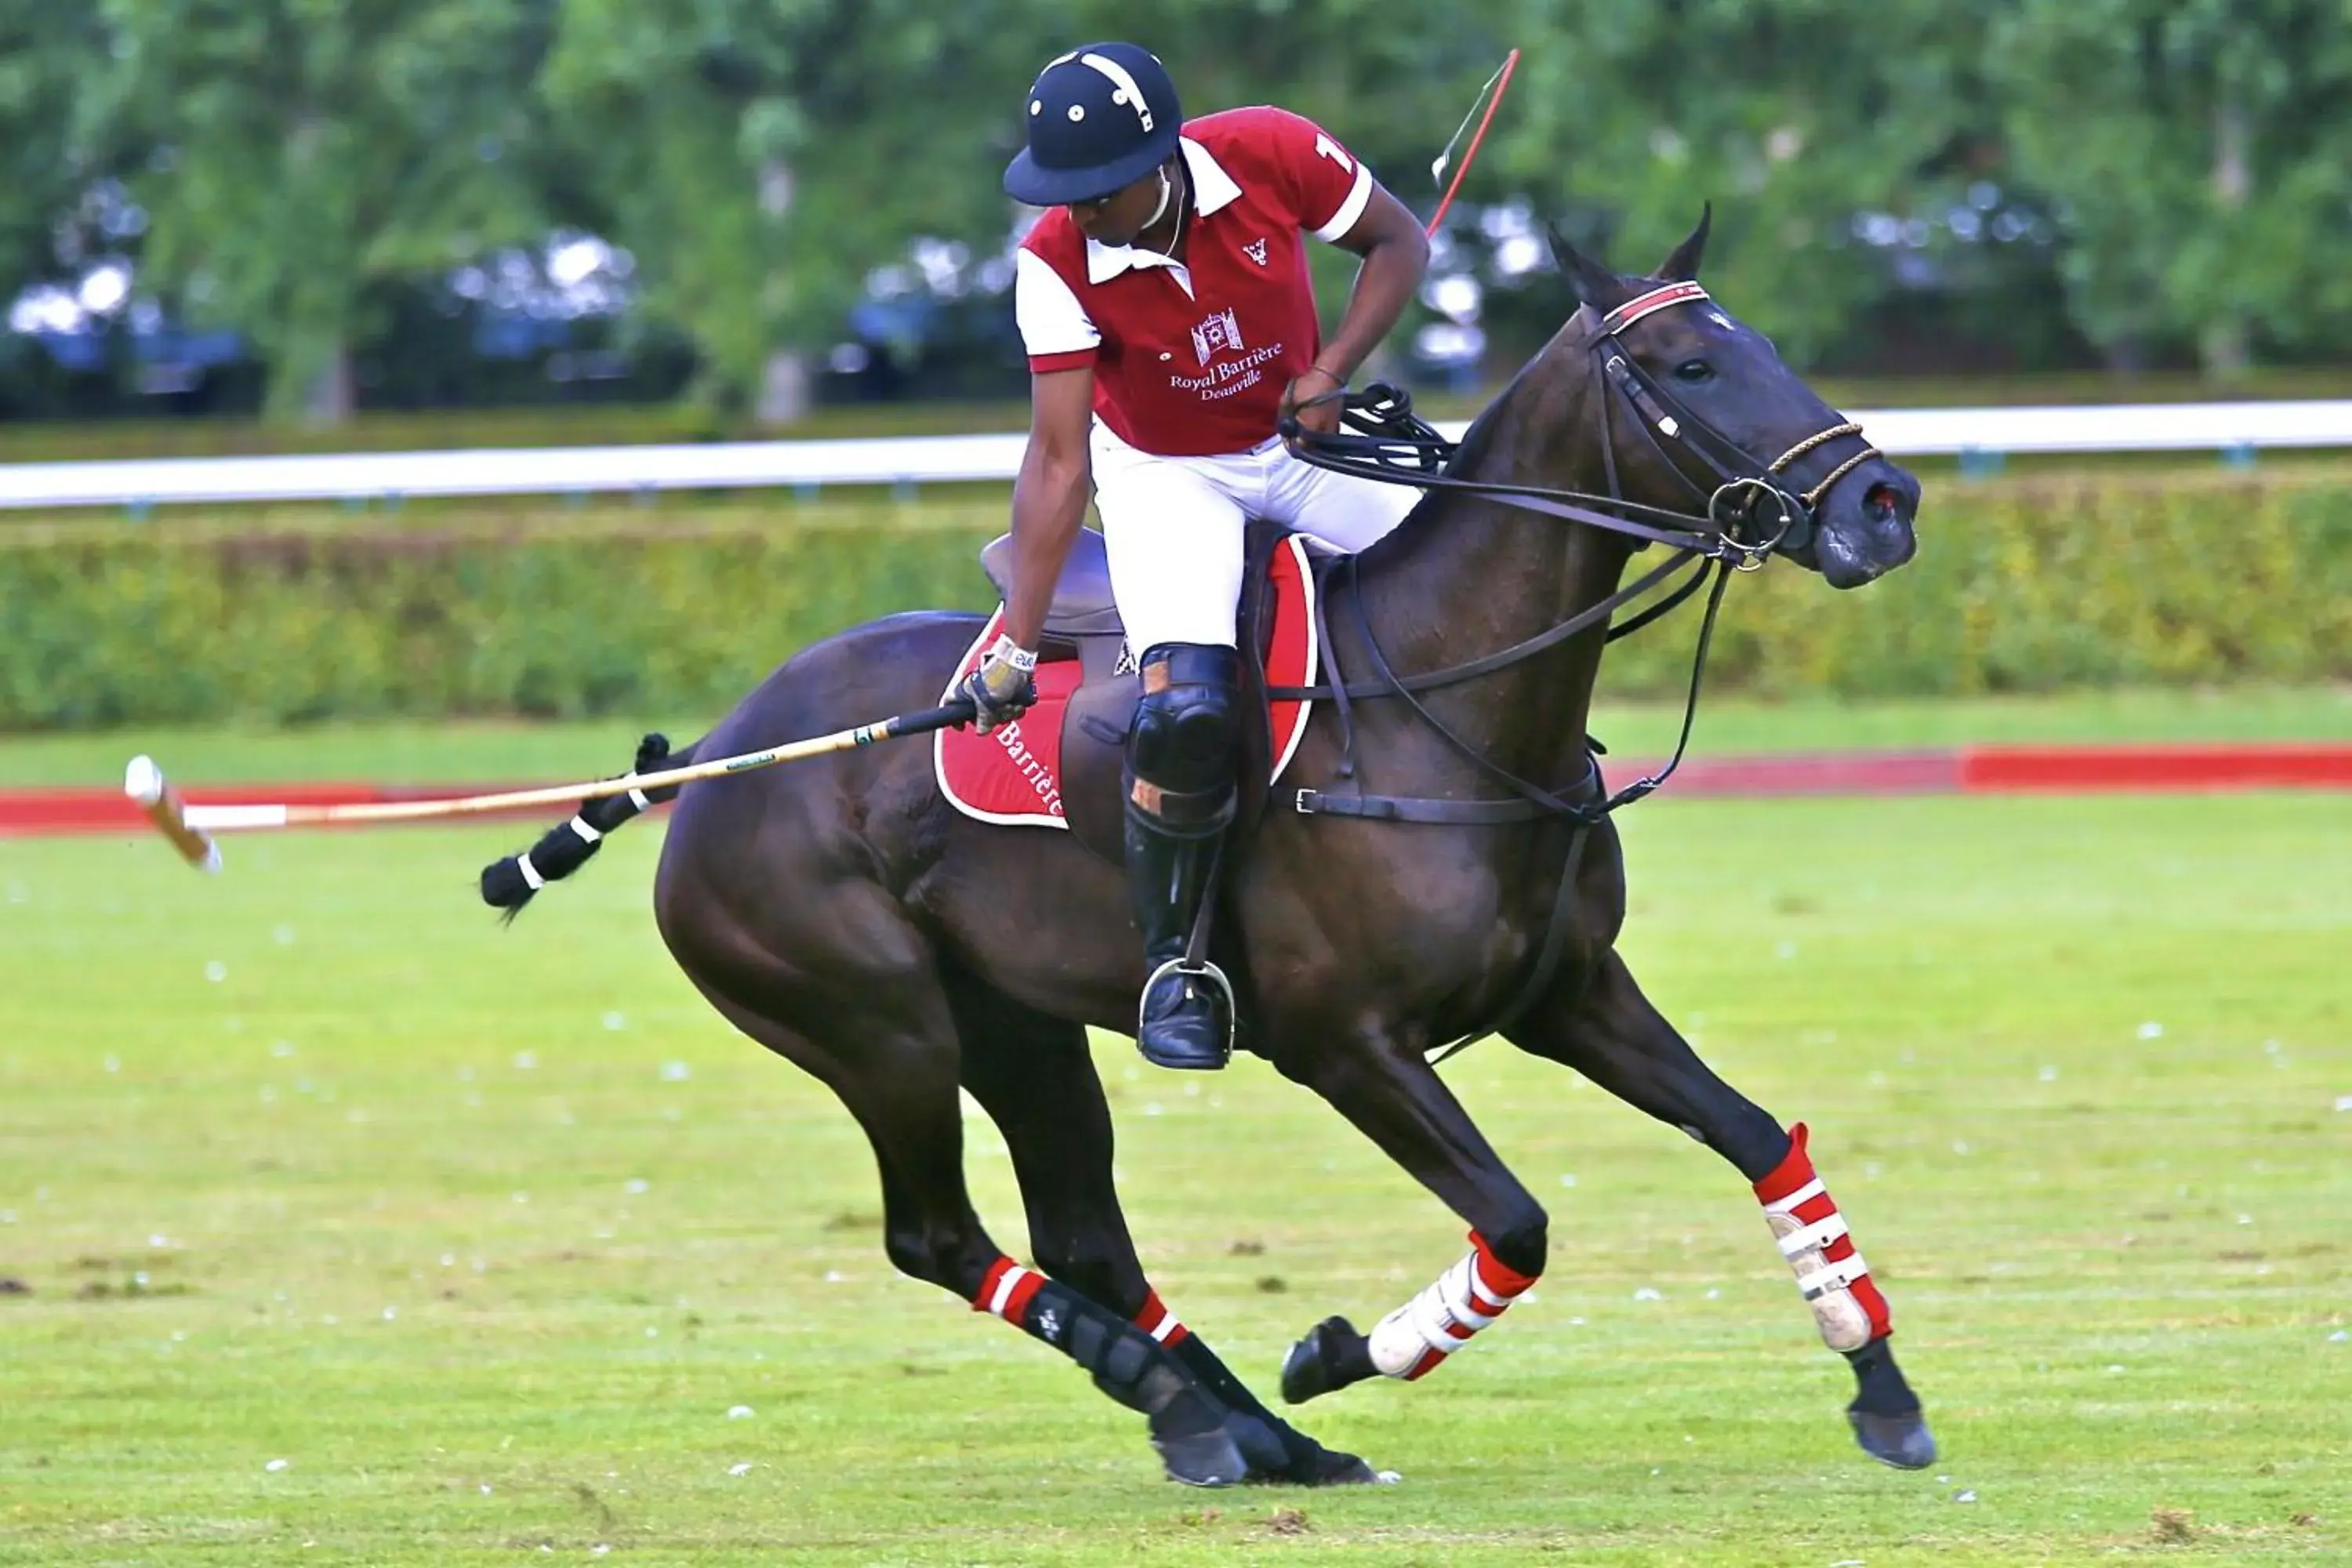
(1099, 118)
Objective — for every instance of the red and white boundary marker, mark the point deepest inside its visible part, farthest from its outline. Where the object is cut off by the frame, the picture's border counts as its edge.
(1967, 770)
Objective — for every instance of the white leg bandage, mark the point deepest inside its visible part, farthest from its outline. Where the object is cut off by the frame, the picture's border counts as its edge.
(1813, 1235)
(1412, 1341)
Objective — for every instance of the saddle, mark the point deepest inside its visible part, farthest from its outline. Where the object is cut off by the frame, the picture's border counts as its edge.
(1086, 667)
(1082, 622)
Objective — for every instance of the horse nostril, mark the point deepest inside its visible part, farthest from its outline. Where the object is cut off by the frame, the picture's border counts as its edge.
(1883, 503)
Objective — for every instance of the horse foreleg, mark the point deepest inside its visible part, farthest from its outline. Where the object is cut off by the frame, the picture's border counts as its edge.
(1612, 1033)
(1035, 1077)
(1392, 1096)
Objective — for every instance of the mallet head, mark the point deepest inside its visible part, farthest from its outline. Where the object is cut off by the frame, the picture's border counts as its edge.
(144, 783)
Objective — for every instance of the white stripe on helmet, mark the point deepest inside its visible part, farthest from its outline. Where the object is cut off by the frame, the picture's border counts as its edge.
(1119, 78)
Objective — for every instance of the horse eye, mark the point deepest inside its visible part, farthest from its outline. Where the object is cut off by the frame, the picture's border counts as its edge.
(1693, 370)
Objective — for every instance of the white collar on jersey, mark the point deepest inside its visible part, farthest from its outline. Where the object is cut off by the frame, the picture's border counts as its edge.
(1212, 188)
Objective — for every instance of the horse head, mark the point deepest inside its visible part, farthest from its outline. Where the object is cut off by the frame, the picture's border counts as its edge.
(1727, 422)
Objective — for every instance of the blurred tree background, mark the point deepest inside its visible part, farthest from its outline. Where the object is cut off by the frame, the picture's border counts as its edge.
(312, 207)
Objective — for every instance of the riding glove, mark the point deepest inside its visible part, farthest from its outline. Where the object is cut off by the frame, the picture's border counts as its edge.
(1003, 688)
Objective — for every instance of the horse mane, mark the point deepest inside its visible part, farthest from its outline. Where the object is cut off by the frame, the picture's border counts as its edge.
(1480, 436)
(1478, 439)
(1467, 452)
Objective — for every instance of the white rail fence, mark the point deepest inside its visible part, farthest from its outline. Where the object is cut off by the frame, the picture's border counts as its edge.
(2233, 429)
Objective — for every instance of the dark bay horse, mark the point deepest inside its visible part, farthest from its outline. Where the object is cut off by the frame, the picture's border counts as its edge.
(841, 914)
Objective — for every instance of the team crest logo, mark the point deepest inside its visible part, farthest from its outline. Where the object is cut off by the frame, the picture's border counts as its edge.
(1218, 334)
(1255, 251)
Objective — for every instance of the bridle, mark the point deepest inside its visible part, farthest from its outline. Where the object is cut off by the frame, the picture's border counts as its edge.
(1391, 444)
(1747, 511)
(1735, 471)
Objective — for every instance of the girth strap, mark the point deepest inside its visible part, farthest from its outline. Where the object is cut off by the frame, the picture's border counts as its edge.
(1554, 945)
(1409, 808)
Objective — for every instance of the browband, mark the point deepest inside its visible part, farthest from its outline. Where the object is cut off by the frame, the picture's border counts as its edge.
(1650, 304)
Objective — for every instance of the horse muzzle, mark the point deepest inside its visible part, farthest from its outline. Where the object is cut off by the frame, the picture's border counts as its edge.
(1863, 527)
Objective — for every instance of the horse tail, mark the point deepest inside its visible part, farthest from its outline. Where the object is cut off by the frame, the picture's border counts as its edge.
(512, 883)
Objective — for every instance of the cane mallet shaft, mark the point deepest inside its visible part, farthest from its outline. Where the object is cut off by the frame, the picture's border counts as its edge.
(144, 783)
(190, 827)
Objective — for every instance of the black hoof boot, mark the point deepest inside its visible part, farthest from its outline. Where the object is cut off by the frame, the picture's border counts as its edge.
(1302, 1461)
(1886, 1414)
(1196, 1444)
(1902, 1441)
(1185, 1020)
(1331, 1356)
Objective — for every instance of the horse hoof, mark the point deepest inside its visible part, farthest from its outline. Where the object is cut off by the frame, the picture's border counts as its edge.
(1210, 1458)
(1322, 1363)
(1333, 1469)
(1902, 1441)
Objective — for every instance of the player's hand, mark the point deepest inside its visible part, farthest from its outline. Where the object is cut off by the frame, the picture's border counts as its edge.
(1313, 399)
(1003, 688)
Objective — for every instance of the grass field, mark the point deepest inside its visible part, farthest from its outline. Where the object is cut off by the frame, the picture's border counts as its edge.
(484, 1233)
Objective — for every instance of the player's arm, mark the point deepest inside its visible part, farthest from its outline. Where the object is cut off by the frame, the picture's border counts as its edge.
(1336, 198)
(1396, 253)
(1049, 498)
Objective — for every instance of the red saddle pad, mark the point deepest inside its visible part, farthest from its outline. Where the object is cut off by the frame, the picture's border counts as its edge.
(1013, 775)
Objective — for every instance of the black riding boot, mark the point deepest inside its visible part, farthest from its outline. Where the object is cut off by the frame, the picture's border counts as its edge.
(1180, 797)
(1184, 1019)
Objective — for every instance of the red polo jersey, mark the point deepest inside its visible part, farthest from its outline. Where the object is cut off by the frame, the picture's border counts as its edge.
(1191, 358)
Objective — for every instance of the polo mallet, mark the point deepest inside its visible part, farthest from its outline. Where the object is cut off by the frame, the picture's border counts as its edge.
(1491, 95)
(190, 827)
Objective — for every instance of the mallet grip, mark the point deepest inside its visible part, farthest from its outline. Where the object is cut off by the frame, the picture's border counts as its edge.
(144, 783)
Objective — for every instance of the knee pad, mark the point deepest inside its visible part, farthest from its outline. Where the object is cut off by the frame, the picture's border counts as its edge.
(1181, 748)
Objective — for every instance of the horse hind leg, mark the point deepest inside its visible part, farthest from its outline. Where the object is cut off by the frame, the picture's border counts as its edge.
(1035, 1077)
(890, 1054)
(1612, 1033)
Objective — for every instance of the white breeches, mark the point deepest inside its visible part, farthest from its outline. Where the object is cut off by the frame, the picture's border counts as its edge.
(1173, 529)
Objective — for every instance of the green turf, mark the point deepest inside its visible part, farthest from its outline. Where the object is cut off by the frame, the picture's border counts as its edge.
(483, 1233)
(493, 751)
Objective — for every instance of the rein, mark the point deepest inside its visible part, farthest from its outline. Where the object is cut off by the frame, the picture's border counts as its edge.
(1386, 441)
(1393, 445)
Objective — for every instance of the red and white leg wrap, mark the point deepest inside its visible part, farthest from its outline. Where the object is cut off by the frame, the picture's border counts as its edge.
(1830, 1275)
(1006, 1291)
(1410, 1341)
(1160, 1323)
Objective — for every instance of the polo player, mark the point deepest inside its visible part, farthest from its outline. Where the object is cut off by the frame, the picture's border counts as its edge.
(1170, 321)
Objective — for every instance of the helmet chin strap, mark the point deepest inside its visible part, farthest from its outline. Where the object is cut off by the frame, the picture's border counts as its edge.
(1176, 234)
(1166, 190)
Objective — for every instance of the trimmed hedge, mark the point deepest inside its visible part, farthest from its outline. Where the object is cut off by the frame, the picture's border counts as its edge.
(2019, 586)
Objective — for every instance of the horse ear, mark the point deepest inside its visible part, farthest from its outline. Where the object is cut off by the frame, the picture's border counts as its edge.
(1683, 265)
(1594, 284)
